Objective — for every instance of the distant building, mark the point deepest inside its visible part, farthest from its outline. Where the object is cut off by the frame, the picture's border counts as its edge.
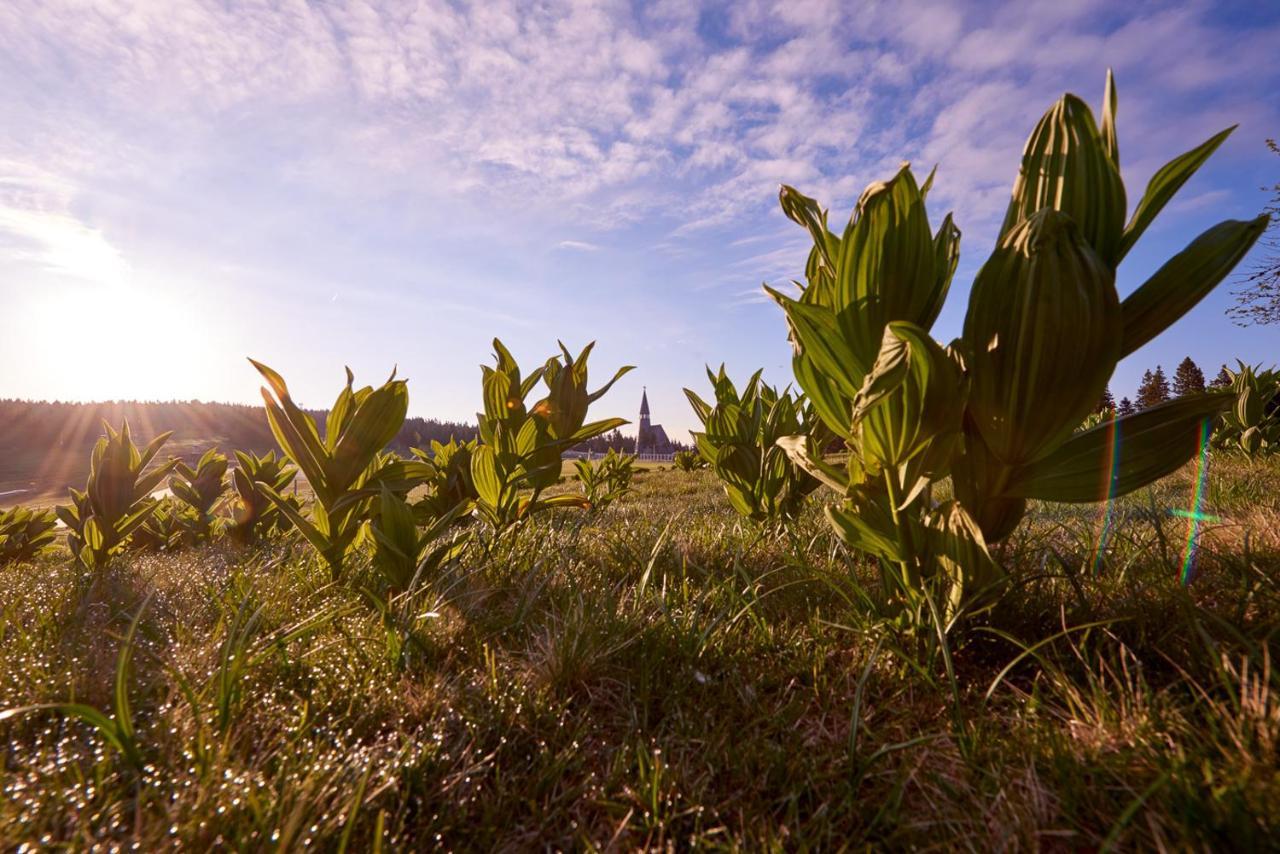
(651, 438)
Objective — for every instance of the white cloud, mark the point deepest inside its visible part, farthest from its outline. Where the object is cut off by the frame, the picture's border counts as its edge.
(592, 114)
(38, 231)
(578, 245)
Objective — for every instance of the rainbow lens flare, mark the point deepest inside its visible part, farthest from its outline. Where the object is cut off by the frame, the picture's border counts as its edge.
(1196, 514)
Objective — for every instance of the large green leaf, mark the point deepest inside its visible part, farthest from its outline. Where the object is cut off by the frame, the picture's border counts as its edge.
(1118, 457)
(1185, 279)
(484, 473)
(1164, 184)
(887, 266)
(1041, 337)
(863, 524)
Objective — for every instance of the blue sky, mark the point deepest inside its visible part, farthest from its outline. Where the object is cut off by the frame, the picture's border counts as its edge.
(183, 184)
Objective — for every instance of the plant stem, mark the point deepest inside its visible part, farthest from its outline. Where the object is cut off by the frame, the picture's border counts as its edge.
(910, 575)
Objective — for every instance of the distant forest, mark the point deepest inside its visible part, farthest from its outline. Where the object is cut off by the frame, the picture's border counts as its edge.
(47, 444)
(33, 426)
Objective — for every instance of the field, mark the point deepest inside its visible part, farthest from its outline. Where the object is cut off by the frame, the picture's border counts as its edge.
(661, 674)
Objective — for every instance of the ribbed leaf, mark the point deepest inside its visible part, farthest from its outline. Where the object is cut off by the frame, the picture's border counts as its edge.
(867, 527)
(319, 541)
(886, 270)
(596, 428)
(700, 407)
(1041, 337)
(484, 473)
(1109, 139)
(1118, 457)
(1164, 184)
(946, 252)
(806, 212)
(820, 339)
(375, 422)
(1066, 167)
(1185, 279)
(797, 450)
(957, 544)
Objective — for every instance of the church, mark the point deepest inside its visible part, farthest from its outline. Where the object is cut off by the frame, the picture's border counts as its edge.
(650, 438)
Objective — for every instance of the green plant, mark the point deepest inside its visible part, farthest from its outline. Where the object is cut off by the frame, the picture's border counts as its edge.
(25, 533)
(166, 529)
(1252, 425)
(520, 446)
(403, 553)
(739, 442)
(116, 499)
(256, 514)
(200, 488)
(345, 469)
(606, 480)
(998, 409)
(448, 482)
(688, 461)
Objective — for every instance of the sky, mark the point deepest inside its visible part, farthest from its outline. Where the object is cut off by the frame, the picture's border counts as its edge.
(392, 184)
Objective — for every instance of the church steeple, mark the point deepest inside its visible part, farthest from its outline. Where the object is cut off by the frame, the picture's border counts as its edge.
(643, 439)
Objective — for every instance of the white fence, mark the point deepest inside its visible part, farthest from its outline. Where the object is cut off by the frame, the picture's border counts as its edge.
(596, 455)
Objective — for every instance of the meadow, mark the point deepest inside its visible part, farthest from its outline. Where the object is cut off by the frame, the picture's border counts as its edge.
(930, 596)
(661, 673)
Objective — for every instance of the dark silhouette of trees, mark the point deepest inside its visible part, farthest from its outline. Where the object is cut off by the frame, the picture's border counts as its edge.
(47, 444)
(1106, 403)
(1188, 378)
(1125, 407)
(1154, 388)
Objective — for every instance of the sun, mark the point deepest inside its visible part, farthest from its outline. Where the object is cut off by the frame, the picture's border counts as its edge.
(115, 340)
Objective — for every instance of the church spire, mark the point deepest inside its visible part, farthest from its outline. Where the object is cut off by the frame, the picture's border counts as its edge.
(644, 401)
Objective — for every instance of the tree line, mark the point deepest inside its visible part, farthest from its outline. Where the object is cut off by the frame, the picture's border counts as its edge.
(52, 439)
(38, 425)
(1155, 387)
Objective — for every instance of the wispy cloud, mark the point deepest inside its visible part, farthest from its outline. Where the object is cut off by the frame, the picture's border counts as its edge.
(39, 232)
(419, 145)
(578, 246)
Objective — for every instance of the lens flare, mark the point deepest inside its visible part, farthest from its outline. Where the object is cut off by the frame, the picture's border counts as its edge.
(1107, 491)
(1196, 514)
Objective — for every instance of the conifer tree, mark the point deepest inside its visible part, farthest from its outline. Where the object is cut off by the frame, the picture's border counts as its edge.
(1107, 403)
(1188, 379)
(1222, 380)
(1154, 388)
(1125, 407)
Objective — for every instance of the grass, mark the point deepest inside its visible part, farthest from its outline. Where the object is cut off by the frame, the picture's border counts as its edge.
(660, 675)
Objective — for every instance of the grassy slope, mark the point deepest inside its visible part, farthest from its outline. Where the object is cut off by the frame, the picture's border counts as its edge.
(665, 673)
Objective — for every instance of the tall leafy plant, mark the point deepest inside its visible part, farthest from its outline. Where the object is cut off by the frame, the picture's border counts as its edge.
(448, 482)
(739, 442)
(167, 529)
(520, 448)
(688, 461)
(345, 468)
(407, 551)
(1251, 425)
(116, 499)
(998, 409)
(200, 488)
(255, 513)
(25, 533)
(606, 480)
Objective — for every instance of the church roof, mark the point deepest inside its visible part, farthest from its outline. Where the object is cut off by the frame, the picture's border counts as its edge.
(644, 402)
